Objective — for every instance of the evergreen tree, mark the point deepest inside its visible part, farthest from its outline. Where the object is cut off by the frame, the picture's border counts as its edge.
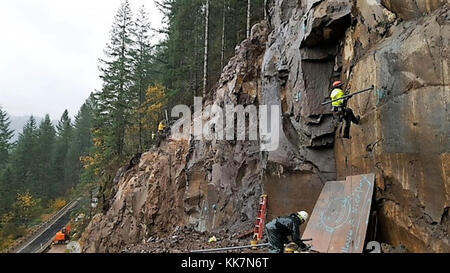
(25, 159)
(113, 100)
(46, 137)
(83, 126)
(8, 189)
(141, 56)
(179, 58)
(60, 163)
(81, 142)
(5, 137)
(190, 59)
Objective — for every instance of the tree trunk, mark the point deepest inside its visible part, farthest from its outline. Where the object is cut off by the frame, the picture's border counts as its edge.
(222, 58)
(205, 67)
(196, 59)
(248, 17)
(265, 9)
(141, 103)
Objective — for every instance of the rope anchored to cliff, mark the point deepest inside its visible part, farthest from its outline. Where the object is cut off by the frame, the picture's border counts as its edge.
(348, 96)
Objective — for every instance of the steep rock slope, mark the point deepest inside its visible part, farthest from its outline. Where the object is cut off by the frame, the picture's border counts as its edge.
(146, 199)
(405, 132)
(203, 184)
(290, 61)
(400, 48)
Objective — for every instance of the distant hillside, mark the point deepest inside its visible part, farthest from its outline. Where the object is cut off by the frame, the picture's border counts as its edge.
(17, 124)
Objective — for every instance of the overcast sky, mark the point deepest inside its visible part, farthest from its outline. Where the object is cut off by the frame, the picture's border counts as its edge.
(49, 52)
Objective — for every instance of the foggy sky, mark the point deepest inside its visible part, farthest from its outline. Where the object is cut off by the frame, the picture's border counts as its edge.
(49, 52)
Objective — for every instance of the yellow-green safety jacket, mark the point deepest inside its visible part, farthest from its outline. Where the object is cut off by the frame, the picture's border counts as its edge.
(161, 127)
(337, 94)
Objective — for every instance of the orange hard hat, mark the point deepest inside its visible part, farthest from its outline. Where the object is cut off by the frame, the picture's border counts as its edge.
(337, 84)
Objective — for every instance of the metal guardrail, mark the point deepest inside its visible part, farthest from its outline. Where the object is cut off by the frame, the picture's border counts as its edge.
(40, 229)
(47, 244)
(44, 246)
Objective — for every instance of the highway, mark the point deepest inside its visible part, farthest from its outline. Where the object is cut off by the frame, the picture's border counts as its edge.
(42, 238)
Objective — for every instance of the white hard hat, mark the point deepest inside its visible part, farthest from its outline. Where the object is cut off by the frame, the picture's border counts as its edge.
(303, 215)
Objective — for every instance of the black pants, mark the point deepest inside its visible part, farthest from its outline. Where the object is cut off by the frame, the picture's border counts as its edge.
(348, 116)
(276, 239)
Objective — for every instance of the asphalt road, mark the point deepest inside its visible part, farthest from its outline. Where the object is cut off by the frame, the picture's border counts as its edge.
(48, 234)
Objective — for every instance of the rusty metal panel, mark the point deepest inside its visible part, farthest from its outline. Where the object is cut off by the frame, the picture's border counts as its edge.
(338, 223)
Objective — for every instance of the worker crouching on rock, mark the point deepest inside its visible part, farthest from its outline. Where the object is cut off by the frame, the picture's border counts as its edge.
(280, 228)
(162, 133)
(162, 127)
(340, 107)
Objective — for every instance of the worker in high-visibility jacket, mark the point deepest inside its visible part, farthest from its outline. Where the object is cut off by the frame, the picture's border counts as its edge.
(340, 106)
(161, 133)
(162, 126)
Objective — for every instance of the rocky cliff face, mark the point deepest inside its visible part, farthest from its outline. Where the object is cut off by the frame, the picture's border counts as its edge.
(205, 185)
(290, 61)
(404, 135)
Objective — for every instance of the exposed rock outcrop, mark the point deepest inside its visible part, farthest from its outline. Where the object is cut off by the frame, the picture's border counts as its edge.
(203, 184)
(290, 61)
(404, 135)
(146, 199)
(409, 9)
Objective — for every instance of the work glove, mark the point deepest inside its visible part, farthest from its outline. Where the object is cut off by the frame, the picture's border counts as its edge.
(302, 246)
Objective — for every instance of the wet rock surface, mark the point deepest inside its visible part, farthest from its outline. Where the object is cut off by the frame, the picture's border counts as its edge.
(405, 129)
(202, 188)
